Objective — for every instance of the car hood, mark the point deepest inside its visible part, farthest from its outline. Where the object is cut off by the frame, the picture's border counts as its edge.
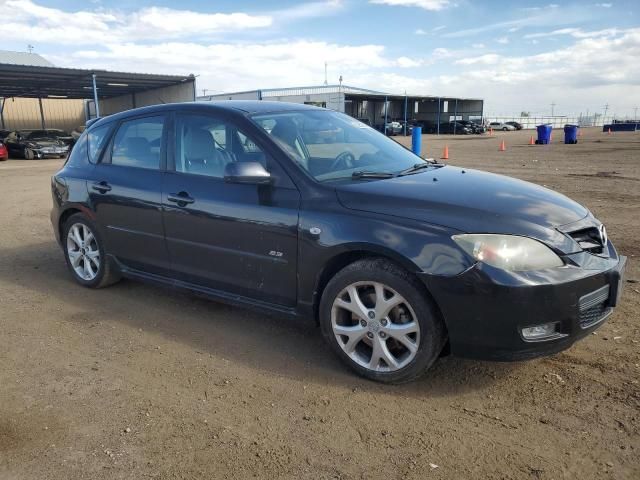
(470, 201)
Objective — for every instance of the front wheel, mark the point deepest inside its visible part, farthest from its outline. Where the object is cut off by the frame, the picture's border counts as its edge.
(29, 154)
(380, 321)
(85, 254)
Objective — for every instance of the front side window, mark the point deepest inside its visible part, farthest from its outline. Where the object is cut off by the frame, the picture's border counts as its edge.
(206, 145)
(97, 139)
(138, 143)
(330, 145)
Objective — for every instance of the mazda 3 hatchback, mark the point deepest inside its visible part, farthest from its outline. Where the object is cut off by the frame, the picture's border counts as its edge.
(308, 212)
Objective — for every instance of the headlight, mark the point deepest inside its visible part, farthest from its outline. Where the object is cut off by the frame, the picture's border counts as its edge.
(508, 252)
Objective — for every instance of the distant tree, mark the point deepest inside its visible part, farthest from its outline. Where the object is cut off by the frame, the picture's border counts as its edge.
(525, 114)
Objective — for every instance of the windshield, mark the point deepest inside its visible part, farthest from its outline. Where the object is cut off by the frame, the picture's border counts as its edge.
(331, 146)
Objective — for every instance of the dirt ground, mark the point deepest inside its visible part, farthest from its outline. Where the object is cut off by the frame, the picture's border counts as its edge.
(136, 381)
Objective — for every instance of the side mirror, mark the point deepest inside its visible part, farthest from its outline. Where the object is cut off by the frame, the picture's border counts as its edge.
(247, 172)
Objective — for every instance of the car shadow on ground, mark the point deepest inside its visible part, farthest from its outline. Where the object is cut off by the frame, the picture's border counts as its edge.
(279, 345)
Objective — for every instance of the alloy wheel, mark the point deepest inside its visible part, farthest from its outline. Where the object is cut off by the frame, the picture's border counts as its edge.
(83, 251)
(375, 326)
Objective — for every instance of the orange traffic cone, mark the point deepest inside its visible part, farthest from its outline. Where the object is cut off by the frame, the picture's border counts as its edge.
(531, 142)
(445, 153)
(609, 133)
(579, 132)
(502, 146)
(490, 132)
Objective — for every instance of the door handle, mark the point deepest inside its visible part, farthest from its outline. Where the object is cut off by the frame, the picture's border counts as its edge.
(181, 198)
(102, 187)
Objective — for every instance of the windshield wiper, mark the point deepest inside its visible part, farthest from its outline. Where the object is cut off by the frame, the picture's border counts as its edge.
(419, 166)
(363, 174)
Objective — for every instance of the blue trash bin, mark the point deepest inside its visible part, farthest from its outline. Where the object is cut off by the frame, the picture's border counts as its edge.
(544, 134)
(571, 134)
(416, 140)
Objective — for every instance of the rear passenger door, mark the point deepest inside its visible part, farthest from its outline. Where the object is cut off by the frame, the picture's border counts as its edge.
(235, 238)
(126, 193)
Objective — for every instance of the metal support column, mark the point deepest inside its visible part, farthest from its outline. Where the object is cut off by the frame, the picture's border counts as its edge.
(41, 113)
(455, 117)
(4, 101)
(405, 114)
(95, 96)
(438, 122)
(386, 106)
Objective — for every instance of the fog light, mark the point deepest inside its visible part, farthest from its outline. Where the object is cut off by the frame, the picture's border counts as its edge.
(540, 332)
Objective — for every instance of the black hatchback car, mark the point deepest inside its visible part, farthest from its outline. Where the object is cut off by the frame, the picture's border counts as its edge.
(399, 259)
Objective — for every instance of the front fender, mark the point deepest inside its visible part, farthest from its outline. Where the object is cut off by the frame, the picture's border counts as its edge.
(418, 247)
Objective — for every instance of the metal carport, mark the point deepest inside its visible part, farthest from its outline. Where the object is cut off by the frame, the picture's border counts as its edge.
(110, 91)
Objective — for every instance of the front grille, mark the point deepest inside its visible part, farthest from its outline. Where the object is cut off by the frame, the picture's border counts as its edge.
(594, 307)
(589, 240)
(593, 315)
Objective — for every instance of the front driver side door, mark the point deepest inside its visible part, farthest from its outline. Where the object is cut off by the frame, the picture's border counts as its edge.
(235, 238)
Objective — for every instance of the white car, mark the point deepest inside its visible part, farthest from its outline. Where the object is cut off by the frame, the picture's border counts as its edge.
(501, 126)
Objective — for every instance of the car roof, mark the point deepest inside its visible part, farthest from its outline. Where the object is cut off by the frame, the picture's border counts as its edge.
(244, 107)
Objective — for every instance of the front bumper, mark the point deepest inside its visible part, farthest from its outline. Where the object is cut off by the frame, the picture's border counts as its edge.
(485, 309)
(49, 153)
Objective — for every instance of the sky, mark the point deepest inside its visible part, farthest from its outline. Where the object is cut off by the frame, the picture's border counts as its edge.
(518, 55)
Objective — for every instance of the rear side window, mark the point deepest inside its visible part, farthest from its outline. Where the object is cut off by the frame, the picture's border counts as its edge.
(78, 156)
(138, 143)
(97, 139)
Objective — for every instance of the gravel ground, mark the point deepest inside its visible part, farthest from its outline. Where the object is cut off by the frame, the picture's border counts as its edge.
(136, 381)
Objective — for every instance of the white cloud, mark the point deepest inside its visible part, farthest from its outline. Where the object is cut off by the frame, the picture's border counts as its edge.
(420, 31)
(406, 62)
(503, 40)
(32, 22)
(590, 72)
(478, 45)
(426, 4)
(604, 5)
(577, 33)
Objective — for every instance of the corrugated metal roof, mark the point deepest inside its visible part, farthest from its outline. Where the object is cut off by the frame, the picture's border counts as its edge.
(24, 58)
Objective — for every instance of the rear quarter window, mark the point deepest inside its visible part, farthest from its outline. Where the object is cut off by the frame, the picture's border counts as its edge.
(78, 156)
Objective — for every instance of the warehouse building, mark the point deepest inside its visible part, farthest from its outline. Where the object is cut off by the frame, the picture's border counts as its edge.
(373, 107)
(36, 94)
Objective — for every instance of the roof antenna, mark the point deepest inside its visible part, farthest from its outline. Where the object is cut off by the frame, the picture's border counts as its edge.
(325, 74)
(30, 48)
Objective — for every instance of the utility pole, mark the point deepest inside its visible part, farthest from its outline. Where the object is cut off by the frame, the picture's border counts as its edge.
(635, 113)
(204, 92)
(30, 48)
(325, 74)
(606, 107)
(552, 108)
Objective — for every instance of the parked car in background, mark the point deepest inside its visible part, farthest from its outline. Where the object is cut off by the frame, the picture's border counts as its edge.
(31, 144)
(63, 136)
(4, 153)
(456, 128)
(516, 125)
(474, 127)
(4, 134)
(501, 126)
(356, 234)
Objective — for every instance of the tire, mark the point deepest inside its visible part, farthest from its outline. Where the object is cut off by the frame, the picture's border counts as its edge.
(505, 129)
(407, 337)
(101, 267)
(28, 154)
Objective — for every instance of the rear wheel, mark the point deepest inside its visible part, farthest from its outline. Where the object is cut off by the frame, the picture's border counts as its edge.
(85, 254)
(380, 321)
(28, 154)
